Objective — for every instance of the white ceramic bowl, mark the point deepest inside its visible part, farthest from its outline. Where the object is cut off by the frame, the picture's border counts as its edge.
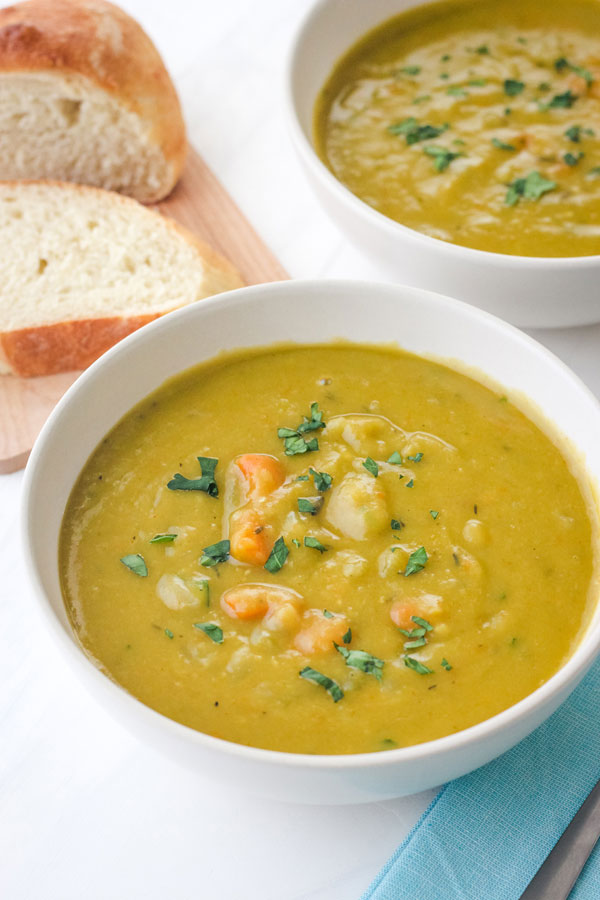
(527, 291)
(305, 312)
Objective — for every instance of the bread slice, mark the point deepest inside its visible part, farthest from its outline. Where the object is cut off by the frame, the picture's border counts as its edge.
(85, 97)
(83, 267)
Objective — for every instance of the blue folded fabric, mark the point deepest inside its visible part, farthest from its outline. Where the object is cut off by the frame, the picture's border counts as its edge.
(485, 835)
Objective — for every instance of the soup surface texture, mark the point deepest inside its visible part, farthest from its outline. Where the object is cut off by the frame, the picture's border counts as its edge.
(475, 122)
(328, 549)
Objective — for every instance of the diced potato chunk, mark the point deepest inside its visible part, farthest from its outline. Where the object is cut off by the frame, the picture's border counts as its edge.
(357, 507)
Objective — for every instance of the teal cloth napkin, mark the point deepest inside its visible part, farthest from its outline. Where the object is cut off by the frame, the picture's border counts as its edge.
(485, 835)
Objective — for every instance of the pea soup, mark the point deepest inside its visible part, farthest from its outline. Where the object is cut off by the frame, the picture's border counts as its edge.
(476, 123)
(327, 549)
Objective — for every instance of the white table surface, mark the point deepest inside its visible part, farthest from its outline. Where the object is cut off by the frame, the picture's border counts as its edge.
(87, 812)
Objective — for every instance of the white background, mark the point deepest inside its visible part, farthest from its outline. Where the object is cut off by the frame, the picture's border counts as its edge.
(86, 812)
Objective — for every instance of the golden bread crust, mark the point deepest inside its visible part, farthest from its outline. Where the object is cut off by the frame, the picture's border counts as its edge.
(98, 41)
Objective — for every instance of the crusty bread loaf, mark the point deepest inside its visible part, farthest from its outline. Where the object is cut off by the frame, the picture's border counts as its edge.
(82, 267)
(85, 97)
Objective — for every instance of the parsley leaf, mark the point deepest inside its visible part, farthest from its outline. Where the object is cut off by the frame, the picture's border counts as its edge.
(414, 133)
(422, 623)
(327, 614)
(416, 458)
(347, 637)
(572, 159)
(203, 584)
(457, 91)
(331, 686)
(512, 87)
(397, 525)
(166, 538)
(210, 630)
(277, 557)
(136, 563)
(441, 157)
(206, 483)
(214, 554)
(562, 63)
(410, 70)
(310, 505)
(532, 187)
(416, 666)
(563, 101)
(321, 479)
(446, 665)
(371, 466)
(314, 544)
(501, 145)
(293, 441)
(360, 659)
(433, 513)
(395, 459)
(416, 561)
(410, 483)
(169, 633)
(574, 133)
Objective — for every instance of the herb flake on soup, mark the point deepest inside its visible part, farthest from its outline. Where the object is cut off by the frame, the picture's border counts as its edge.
(471, 147)
(307, 601)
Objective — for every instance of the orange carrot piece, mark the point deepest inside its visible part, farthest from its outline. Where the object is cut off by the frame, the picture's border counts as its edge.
(263, 473)
(249, 542)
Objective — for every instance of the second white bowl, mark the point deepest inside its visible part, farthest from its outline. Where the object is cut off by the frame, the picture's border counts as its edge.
(527, 291)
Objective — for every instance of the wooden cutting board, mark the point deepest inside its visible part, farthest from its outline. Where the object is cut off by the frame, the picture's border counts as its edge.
(201, 204)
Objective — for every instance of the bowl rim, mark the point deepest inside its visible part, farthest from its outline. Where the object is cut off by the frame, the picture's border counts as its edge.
(566, 677)
(354, 204)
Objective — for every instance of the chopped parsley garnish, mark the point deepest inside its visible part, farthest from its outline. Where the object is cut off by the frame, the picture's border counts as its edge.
(416, 666)
(331, 686)
(456, 91)
(410, 483)
(397, 525)
(215, 554)
(310, 505)
(446, 665)
(360, 659)
(561, 64)
(422, 98)
(416, 458)
(347, 637)
(410, 70)
(302, 478)
(483, 50)
(327, 614)
(575, 131)
(478, 82)
(277, 557)
(441, 157)
(532, 187)
(446, 57)
(563, 101)
(395, 459)
(314, 544)
(416, 561)
(296, 542)
(206, 483)
(444, 75)
(293, 440)
(371, 466)
(512, 87)
(433, 513)
(166, 538)
(203, 584)
(413, 633)
(501, 145)
(572, 159)
(136, 563)
(210, 630)
(422, 623)
(169, 633)
(594, 171)
(413, 645)
(413, 132)
(322, 480)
